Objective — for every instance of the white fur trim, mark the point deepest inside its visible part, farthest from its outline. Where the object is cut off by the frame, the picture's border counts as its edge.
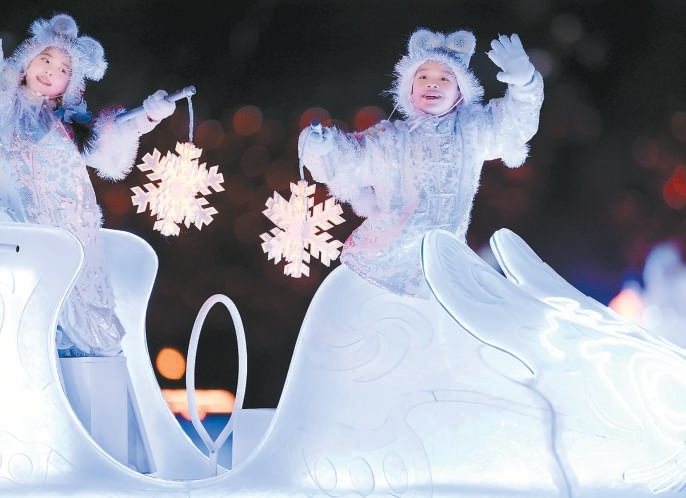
(87, 55)
(515, 156)
(116, 147)
(454, 50)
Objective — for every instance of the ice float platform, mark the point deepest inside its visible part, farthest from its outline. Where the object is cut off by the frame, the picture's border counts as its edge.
(504, 383)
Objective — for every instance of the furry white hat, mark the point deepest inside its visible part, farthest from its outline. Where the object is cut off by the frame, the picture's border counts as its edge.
(87, 55)
(453, 49)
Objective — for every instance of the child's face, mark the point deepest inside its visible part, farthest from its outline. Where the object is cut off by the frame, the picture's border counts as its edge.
(434, 88)
(49, 73)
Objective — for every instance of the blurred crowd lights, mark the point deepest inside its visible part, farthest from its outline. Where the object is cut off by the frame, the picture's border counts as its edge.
(171, 365)
(674, 190)
(628, 304)
(208, 401)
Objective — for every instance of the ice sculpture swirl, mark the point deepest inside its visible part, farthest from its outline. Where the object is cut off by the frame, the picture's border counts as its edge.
(613, 388)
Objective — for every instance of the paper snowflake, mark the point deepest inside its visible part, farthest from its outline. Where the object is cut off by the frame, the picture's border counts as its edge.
(301, 229)
(177, 185)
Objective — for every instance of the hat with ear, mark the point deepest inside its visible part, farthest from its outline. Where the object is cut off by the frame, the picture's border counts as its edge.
(86, 53)
(453, 49)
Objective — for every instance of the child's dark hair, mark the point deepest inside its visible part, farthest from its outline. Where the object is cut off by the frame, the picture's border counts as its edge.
(83, 135)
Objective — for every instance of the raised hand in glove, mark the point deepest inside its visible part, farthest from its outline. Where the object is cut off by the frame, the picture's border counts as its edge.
(508, 54)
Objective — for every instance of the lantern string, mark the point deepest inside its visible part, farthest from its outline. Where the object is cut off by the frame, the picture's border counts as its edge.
(190, 117)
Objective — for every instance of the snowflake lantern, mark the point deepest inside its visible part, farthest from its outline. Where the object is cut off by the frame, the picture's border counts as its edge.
(174, 198)
(301, 228)
(178, 183)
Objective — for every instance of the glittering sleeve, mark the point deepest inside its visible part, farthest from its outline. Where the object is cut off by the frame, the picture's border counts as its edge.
(352, 165)
(511, 121)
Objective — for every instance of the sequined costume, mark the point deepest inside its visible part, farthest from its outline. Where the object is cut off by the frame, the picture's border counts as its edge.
(46, 144)
(407, 177)
(410, 176)
(46, 181)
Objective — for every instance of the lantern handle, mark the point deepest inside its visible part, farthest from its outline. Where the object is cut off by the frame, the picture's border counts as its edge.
(186, 92)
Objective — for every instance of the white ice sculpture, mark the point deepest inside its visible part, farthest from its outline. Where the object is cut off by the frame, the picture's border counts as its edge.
(500, 386)
(662, 307)
(43, 446)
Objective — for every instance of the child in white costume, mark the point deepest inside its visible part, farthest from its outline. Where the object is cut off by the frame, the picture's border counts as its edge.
(407, 177)
(47, 138)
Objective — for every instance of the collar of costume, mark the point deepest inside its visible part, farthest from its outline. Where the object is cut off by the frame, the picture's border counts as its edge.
(442, 122)
(79, 115)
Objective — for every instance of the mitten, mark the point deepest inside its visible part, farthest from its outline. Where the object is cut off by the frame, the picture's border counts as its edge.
(156, 108)
(508, 54)
(315, 140)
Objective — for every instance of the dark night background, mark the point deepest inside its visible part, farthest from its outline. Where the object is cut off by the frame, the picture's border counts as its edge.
(605, 180)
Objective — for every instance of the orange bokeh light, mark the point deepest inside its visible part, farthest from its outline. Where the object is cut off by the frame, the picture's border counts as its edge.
(117, 199)
(247, 120)
(368, 116)
(318, 113)
(209, 134)
(628, 304)
(206, 400)
(674, 190)
(170, 363)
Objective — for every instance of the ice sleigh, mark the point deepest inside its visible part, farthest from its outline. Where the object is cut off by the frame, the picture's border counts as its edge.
(516, 386)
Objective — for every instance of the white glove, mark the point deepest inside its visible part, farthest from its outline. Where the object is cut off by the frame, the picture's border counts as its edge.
(314, 140)
(508, 54)
(157, 107)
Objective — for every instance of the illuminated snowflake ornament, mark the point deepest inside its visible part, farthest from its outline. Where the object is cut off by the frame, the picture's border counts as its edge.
(301, 229)
(178, 184)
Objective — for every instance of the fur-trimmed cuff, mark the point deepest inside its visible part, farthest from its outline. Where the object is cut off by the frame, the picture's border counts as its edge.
(143, 123)
(515, 156)
(116, 146)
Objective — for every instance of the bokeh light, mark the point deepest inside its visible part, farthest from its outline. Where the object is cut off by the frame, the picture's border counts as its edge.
(247, 120)
(318, 113)
(628, 304)
(646, 152)
(170, 363)
(118, 199)
(209, 134)
(674, 191)
(206, 400)
(543, 61)
(566, 28)
(368, 116)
